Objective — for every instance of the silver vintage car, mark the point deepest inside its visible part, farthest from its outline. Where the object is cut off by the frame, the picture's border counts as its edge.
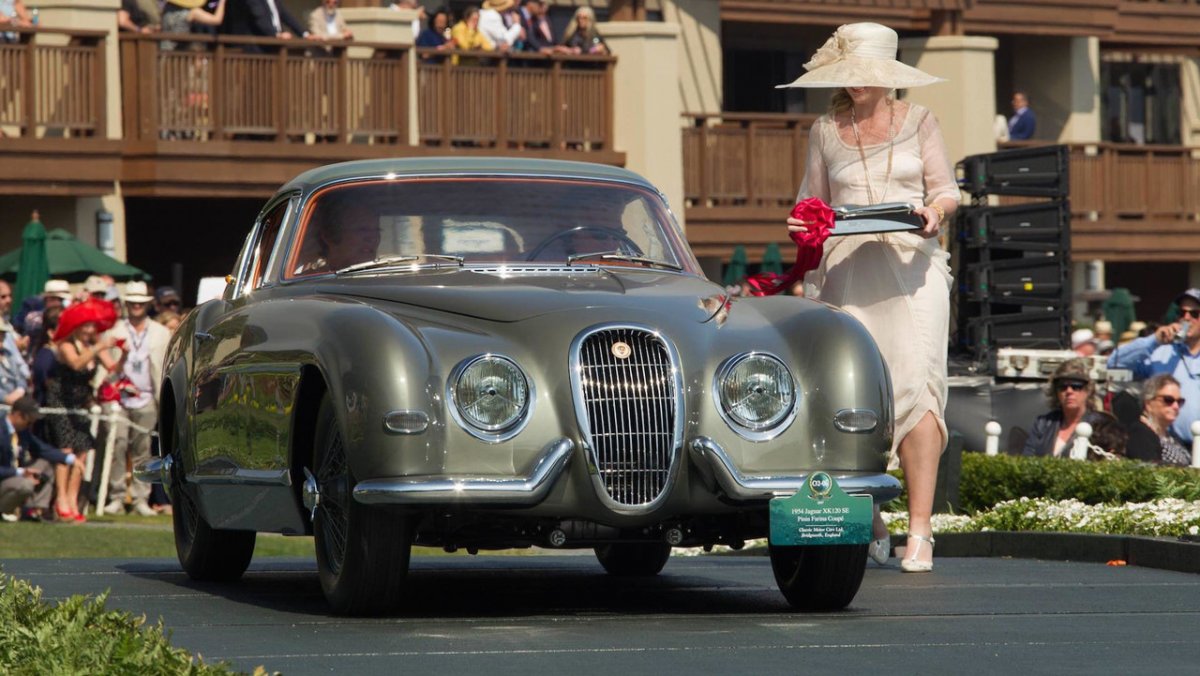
(493, 353)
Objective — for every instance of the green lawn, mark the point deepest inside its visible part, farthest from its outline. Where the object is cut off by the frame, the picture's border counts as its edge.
(140, 537)
(119, 537)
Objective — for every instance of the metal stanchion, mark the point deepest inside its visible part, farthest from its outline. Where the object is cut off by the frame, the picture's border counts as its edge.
(1196, 443)
(1083, 440)
(992, 445)
(110, 437)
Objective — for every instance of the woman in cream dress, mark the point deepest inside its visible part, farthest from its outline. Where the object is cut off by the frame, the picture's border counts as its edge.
(870, 149)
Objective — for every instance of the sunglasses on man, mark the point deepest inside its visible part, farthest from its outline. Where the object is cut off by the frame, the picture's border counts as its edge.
(1193, 312)
(1074, 385)
(1171, 401)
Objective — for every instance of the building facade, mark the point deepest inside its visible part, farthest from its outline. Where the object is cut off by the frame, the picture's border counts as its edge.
(190, 139)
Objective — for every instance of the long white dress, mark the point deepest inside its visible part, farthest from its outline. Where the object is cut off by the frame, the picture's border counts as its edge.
(896, 284)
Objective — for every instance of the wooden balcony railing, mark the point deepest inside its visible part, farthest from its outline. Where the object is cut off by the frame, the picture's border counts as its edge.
(52, 83)
(743, 159)
(259, 89)
(1128, 202)
(484, 99)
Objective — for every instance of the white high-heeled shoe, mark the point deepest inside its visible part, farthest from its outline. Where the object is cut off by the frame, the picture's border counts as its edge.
(879, 550)
(909, 563)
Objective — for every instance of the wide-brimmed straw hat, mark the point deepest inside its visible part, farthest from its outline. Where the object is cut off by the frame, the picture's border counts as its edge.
(498, 5)
(137, 292)
(861, 55)
(99, 312)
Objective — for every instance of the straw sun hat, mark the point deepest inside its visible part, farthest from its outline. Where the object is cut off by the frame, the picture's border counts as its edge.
(861, 55)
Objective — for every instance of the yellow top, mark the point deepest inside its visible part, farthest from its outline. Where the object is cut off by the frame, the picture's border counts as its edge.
(466, 38)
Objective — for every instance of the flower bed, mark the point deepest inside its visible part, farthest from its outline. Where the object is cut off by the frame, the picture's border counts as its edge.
(1165, 517)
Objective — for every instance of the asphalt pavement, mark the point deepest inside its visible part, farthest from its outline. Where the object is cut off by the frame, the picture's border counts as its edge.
(561, 614)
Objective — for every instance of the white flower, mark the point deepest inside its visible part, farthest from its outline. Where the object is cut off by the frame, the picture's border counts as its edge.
(832, 51)
(1193, 530)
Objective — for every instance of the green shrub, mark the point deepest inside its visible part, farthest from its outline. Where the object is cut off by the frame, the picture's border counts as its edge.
(988, 480)
(80, 636)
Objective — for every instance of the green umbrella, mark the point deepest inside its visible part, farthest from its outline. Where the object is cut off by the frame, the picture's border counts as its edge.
(1119, 309)
(735, 272)
(34, 267)
(772, 259)
(73, 260)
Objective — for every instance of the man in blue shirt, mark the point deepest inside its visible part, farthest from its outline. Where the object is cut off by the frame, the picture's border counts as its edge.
(26, 463)
(1023, 123)
(1175, 349)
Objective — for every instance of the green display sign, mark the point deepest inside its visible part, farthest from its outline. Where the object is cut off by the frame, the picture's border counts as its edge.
(821, 513)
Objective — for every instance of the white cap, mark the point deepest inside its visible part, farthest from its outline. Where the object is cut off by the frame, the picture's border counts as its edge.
(1082, 337)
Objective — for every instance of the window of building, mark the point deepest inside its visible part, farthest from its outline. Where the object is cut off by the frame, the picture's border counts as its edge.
(1141, 100)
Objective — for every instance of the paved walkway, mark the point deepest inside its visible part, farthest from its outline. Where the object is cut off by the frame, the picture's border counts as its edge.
(561, 614)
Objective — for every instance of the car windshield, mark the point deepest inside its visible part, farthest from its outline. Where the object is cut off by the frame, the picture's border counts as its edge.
(406, 224)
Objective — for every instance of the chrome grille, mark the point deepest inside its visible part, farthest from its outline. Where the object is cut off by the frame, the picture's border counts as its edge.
(629, 412)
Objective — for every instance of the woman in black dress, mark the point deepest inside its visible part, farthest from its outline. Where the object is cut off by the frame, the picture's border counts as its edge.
(71, 388)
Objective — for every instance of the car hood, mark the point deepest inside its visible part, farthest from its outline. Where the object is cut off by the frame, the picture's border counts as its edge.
(506, 296)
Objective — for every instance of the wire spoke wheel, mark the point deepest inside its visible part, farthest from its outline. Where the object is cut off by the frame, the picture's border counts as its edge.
(362, 550)
(333, 515)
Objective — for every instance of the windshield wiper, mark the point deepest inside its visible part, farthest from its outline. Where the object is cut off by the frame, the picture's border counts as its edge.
(619, 256)
(388, 261)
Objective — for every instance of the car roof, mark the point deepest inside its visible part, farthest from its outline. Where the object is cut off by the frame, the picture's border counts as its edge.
(449, 166)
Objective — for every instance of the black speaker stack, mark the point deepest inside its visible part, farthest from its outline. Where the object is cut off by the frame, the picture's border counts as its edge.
(1012, 263)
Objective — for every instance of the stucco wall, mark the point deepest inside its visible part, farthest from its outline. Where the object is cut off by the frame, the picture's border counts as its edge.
(1061, 76)
(700, 75)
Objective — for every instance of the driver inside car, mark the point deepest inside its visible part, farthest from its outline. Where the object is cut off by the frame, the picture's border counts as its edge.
(350, 236)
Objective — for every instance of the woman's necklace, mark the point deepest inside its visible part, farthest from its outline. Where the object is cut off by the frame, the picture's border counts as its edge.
(1152, 424)
(862, 155)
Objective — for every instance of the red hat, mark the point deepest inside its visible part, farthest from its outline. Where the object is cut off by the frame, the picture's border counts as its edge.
(100, 312)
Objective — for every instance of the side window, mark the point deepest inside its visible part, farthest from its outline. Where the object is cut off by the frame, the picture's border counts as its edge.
(260, 256)
(234, 289)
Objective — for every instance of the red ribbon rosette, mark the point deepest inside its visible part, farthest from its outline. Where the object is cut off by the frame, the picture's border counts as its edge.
(810, 246)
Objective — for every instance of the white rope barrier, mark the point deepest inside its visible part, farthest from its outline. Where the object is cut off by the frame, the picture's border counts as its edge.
(96, 414)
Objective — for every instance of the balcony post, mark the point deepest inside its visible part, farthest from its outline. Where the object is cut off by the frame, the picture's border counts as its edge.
(29, 88)
(966, 104)
(371, 23)
(646, 103)
(93, 15)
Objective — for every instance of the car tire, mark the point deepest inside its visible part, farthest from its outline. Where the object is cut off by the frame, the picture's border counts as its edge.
(362, 551)
(816, 578)
(206, 553)
(633, 559)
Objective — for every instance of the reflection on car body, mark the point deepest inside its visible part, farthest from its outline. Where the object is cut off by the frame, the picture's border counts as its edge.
(485, 353)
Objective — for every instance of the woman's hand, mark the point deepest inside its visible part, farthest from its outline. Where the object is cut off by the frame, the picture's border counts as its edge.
(933, 221)
(797, 225)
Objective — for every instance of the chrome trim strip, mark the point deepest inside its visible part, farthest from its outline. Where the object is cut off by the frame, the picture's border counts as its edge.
(245, 477)
(530, 489)
(767, 432)
(715, 463)
(581, 416)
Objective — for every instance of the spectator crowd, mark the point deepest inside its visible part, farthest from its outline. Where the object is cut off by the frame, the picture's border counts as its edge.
(61, 355)
(1149, 419)
(506, 26)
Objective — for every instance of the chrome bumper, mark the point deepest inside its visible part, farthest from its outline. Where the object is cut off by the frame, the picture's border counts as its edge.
(515, 490)
(719, 471)
(154, 471)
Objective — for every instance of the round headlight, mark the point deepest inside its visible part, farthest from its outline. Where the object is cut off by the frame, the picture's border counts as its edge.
(491, 395)
(755, 392)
